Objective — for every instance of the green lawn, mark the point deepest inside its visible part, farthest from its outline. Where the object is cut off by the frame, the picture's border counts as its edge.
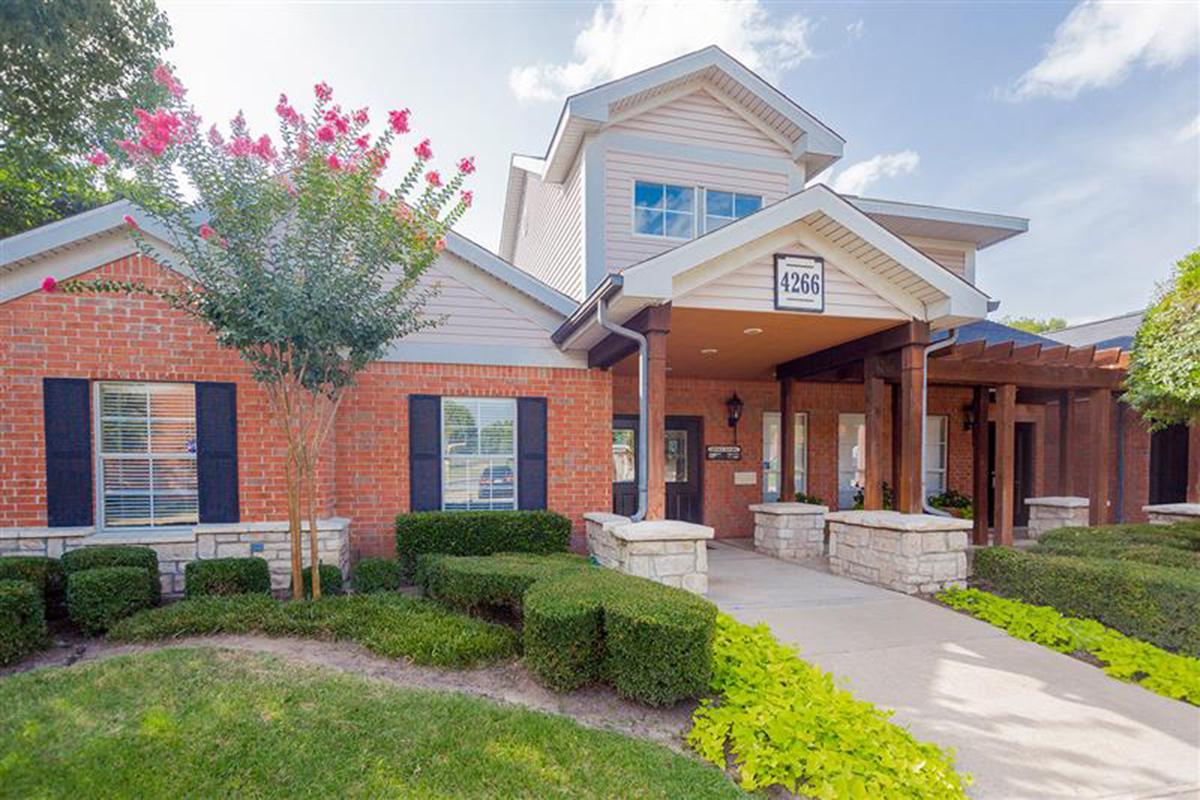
(211, 723)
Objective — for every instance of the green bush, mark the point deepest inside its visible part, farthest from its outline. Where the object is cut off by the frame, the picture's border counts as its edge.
(583, 624)
(115, 555)
(98, 597)
(785, 722)
(1168, 674)
(22, 620)
(46, 574)
(478, 533)
(331, 580)
(1165, 545)
(390, 625)
(222, 576)
(371, 575)
(1152, 603)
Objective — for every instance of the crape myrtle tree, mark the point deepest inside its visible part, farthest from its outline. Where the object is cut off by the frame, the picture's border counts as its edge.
(288, 251)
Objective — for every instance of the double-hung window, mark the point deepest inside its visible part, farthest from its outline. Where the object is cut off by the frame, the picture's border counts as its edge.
(936, 428)
(479, 453)
(146, 435)
(662, 209)
(722, 208)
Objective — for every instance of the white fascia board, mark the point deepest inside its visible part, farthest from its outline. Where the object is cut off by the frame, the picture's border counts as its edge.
(982, 228)
(33, 243)
(500, 269)
(530, 164)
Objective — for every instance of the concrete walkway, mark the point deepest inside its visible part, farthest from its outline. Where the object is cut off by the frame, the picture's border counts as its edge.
(1025, 721)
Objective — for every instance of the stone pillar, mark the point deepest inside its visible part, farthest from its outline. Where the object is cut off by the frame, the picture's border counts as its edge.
(1050, 513)
(670, 552)
(790, 531)
(1170, 513)
(910, 553)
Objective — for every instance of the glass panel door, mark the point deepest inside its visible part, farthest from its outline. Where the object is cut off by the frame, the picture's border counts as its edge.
(852, 457)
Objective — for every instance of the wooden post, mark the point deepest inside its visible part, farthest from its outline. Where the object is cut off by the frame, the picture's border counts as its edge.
(787, 444)
(979, 465)
(1066, 447)
(656, 458)
(1006, 438)
(908, 478)
(1193, 480)
(873, 387)
(1100, 411)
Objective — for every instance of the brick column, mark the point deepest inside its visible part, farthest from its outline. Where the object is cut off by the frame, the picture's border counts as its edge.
(656, 411)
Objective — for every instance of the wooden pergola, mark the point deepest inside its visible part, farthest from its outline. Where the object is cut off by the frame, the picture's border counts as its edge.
(1042, 374)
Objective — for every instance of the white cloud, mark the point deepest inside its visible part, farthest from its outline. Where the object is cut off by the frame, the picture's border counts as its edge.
(1100, 41)
(625, 36)
(855, 29)
(855, 178)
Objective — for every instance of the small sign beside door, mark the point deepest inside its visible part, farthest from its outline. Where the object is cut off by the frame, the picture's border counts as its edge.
(799, 283)
(723, 452)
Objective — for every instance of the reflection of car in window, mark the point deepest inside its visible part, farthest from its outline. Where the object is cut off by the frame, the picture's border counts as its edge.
(496, 483)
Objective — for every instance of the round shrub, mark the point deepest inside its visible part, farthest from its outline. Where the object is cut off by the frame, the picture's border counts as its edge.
(46, 574)
(372, 575)
(22, 620)
(115, 555)
(331, 580)
(97, 598)
(225, 576)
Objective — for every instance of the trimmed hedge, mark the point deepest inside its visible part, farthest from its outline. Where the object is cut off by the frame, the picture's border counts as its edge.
(478, 533)
(372, 575)
(225, 576)
(97, 598)
(22, 620)
(331, 580)
(1151, 603)
(583, 624)
(115, 555)
(45, 573)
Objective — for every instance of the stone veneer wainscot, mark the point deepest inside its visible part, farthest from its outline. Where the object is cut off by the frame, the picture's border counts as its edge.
(910, 553)
(1050, 513)
(1170, 513)
(666, 551)
(790, 531)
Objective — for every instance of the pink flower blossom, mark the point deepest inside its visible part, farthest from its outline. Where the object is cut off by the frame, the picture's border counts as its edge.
(335, 118)
(129, 148)
(214, 137)
(49, 284)
(434, 179)
(468, 197)
(333, 161)
(362, 142)
(163, 77)
(322, 91)
(264, 149)
(158, 131)
(398, 120)
(241, 147)
(439, 245)
(361, 117)
(325, 133)
(466, 165)
(98, 158)
(383, 196)
(286, 112)
(423, 150)
(206, 232)
(131, 222)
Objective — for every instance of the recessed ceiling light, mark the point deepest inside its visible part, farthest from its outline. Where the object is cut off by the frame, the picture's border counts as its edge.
(708, 351)
(752, 331)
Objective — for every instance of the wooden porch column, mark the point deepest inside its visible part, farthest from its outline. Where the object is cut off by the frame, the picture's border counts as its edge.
(656, 434)
(1193, 480)
(1066, 445)
(875, 394)
(908, 478)
(787, 444)
(1006, 437)
(1100, 409)
(979, 465)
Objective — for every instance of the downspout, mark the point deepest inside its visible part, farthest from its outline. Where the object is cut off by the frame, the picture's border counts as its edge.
(932, 348)
(643, 400)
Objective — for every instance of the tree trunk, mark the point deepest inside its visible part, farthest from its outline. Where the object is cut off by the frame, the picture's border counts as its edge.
(294, 533)
(314, 550)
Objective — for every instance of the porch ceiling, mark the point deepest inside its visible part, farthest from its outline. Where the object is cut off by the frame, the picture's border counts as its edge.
(749, 357)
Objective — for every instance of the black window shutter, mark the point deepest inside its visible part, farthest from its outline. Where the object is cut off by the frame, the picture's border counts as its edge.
(216, 451)
(66, 405)
(425, 452)
(531, 452)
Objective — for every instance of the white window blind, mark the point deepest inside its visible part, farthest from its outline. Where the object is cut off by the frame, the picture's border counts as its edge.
(147, 448)
(936, 428)
(772, 447)
(479, 453)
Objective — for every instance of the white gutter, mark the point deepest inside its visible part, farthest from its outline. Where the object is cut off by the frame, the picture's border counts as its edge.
(643, 399)
(933, 348)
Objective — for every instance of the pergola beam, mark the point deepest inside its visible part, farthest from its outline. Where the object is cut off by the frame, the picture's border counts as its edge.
(1032, 376)
(910, 333)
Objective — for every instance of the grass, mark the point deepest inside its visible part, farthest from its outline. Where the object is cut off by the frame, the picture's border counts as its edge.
(391, 625)
(210, 723)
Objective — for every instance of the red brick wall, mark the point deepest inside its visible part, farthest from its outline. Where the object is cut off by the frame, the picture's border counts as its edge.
(365, 474)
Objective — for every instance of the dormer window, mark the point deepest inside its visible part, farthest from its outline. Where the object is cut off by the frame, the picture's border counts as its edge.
(722, 208)
(661, 209)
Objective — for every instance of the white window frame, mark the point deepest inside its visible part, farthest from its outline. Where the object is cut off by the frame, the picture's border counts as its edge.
(859, 466)
(735, 196)
(633, 209)
(444, 457)
(800, 467)
(942, 469)
(101, 456)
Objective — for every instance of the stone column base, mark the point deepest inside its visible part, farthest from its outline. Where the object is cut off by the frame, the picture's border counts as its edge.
(1170, 513)
(666, 551)
(790, 531)
(1050, 513)
(910, 553)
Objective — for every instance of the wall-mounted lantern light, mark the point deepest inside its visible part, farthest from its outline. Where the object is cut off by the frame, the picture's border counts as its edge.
(968, 418)
(734, 407)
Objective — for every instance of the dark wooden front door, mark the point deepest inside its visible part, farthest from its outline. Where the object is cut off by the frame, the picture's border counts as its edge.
(683, 467)
(1022, 472)
(1169, 465)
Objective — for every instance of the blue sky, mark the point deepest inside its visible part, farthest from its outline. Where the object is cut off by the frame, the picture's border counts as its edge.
(1084, 117)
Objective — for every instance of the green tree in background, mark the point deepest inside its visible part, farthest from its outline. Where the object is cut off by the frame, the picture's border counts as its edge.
(1164, 370)
(69, 72)
(1034, 325)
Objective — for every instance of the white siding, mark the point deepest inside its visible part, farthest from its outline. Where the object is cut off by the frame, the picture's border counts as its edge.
(700, 119)
(752, 288)
(951, 255)
(549, 233)
(622, 248)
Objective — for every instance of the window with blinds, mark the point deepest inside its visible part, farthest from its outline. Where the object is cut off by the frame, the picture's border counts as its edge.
(147, 454)
(479, 453)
